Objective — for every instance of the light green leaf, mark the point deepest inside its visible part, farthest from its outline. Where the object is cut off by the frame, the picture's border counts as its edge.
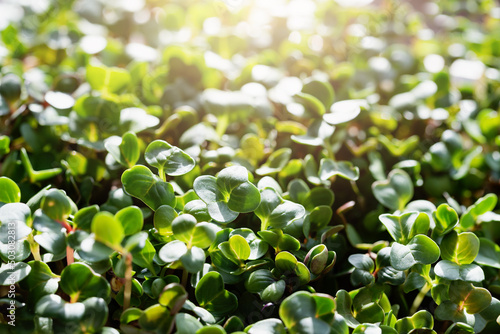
(80, 282)
(396, 191)
(107, 79)
(452, 271)
(9, 191)
(131, 219)
(344, 169)
(460, 248)
(168, 159)
(421, 249)
(140, 182)
(107, 229)
(276, 212)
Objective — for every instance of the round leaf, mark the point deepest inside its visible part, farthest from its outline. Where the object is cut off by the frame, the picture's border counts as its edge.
(394, 192)
(168, 159)
(107, 229)
(9, 191)
(140, 182)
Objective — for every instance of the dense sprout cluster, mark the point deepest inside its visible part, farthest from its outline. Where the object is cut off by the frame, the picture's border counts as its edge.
(285, 166)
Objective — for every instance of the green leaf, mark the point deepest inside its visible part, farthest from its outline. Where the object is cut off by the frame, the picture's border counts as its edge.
(482, 206)
(311, 104)
(41, 281)
(197, 208)
(186, 229)
(460, 328)
(212, 296)
(243, 195)
(489, 253)
(168, 159)
(401, 227)
(34, 175)
(187, 324)
(259, 280)
(4, 140)
(125, 150)
(421, 249)
(131, 219)
(164, 216)
(345, 169)
(83, 218)
(452, 271)
(129, 315)
(140, 182)
(9, 191)
(144, 257)
(173, 297)
(343, 306)
(344, 111)
(362, 261)
(251, 148)
(193, 259)
(273, 292)
(276, 212)
(211, 329)
(56, 205)
(460, 248)
(172, 251)
(369, 313)
(317, 219)
(268, 326)
(53, 306)
(421, 319)
(446, 219)
(80, 282)
(298, 306)
(465, 300)
(310, 325)
(399, 147)
(107, 229)
(396, 191)
(319, 260)
(321, 89)
(107, 79)
(156, 318)
(240, 247)
(279, 240)
(227, 194)
(317, 134)
(391, 276)
(276, 161)
(11, 273)
(14, 218)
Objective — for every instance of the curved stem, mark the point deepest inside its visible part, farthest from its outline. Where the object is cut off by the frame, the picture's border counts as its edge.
(34, 247)
(127, 292)
(161, 173)
(222, 124)
(420, 297)
(70, 258)
(184, 277)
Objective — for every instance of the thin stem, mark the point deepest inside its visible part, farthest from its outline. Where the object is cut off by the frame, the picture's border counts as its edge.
(127, 292)
(74, 298)
(35, 248)
(184, 277)
(222, 124)
(69, 251)
(360, 196)
(328, 149)
(161, 174)
(420, 297)
(70, 258)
